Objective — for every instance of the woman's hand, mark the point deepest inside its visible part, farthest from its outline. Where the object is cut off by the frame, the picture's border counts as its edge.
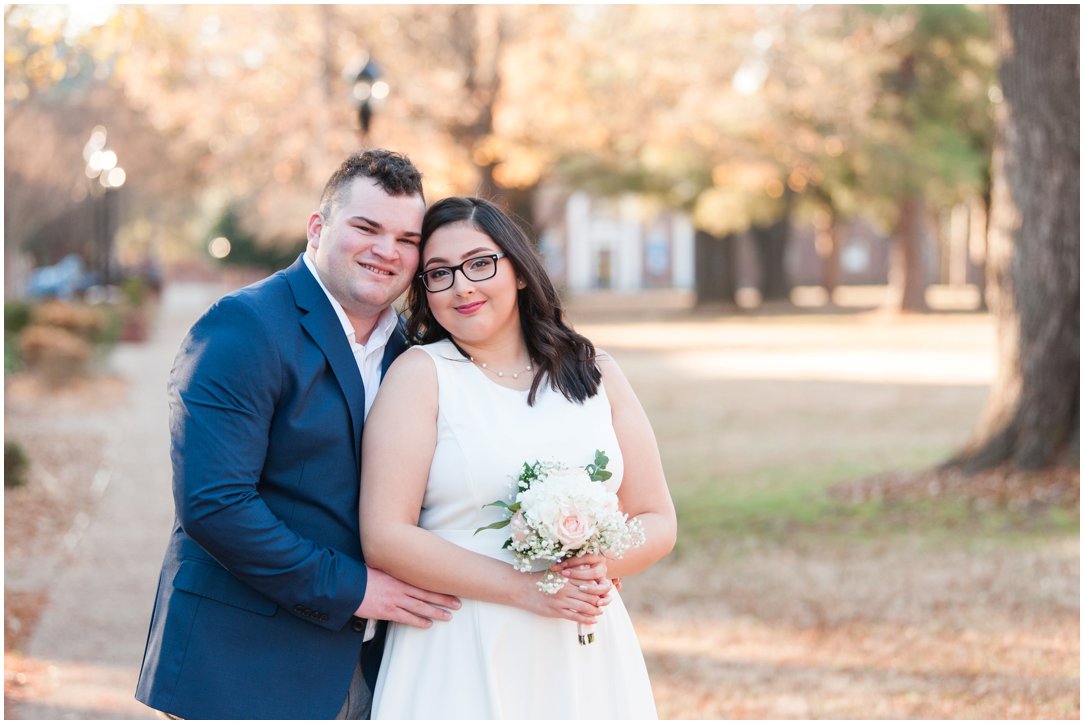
(581, 602)
(586, 568)
(582, 569)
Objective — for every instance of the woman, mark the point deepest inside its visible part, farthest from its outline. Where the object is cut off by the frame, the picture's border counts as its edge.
(500, 381)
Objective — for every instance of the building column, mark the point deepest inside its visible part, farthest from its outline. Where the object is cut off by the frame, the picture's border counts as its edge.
(579, 254)
(682, 253)
(629, 250)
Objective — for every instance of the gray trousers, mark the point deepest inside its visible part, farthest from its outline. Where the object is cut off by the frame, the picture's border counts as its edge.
(359, 698)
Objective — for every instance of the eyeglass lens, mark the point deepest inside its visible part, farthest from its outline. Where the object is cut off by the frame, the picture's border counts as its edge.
(477, 269)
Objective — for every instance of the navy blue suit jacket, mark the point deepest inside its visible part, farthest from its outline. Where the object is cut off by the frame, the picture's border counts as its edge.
(254, 612)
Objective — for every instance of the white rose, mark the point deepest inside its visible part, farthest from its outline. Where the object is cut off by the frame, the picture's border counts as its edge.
(574, 529)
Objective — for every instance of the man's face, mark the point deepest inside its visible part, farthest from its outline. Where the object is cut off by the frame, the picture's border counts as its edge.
(366, 251)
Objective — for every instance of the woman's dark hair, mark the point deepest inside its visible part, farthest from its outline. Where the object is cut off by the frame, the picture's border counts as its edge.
(565, 358)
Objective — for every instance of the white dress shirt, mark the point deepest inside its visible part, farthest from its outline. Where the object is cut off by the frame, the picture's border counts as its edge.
(368, 355)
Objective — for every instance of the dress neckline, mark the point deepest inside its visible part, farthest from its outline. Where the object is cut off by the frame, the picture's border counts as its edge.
(463, 358)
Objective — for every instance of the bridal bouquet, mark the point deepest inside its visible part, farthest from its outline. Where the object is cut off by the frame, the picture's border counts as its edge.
(560, 512)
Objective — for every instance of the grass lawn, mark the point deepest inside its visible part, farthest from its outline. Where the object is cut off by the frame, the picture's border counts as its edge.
(783, 601)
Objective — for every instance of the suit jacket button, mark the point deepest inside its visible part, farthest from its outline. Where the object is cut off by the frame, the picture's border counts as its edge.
(357, 624)
(323, 617)
(299, 608)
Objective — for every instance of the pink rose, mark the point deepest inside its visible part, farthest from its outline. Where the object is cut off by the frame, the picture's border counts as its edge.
(519, 527)
(573, 530)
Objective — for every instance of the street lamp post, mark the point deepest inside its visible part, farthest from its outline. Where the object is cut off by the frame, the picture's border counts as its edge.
(101, 165)
(369, 93)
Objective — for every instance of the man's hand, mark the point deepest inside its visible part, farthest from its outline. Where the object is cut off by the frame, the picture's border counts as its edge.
(389, 599)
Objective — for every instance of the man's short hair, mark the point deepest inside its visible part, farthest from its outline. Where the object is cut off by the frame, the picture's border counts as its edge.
(393, 172)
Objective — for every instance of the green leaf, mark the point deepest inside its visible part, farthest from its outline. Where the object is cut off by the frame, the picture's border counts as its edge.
(597, 470)
(497, 504)
(494, 526)
(601, 459)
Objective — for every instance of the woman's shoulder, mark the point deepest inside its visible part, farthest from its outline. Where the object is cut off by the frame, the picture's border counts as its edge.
(441, 351)
(412, 359)
(614, 384)
(411, 377)
(606, 363)
(424, 359)
(440, 348)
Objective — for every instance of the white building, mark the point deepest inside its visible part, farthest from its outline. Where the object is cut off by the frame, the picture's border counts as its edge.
(621, 243)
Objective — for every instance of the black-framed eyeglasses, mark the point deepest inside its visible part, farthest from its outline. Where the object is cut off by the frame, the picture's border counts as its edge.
(476, 269)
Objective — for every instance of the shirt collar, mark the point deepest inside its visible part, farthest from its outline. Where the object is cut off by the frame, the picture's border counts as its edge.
(381, 330)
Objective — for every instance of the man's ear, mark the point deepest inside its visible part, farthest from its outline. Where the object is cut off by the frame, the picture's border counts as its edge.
(316, 225)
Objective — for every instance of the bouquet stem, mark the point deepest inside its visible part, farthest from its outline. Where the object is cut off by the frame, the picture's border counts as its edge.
(586, 633)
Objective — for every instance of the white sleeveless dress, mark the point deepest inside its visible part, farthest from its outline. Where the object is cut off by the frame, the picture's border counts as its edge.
(492, 661)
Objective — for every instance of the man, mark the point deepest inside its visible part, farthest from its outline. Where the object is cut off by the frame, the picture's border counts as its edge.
(265, 607)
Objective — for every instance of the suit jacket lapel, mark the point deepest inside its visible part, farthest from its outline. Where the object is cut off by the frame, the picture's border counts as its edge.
(326, 331)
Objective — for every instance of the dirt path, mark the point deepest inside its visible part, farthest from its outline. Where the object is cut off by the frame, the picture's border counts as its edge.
(98, 579)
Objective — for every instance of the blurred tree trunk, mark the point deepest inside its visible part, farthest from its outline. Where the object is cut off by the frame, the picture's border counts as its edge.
(980, 251)
(328, 75)
(828, 247)
(907, 271)
(478, 45)
(908, 277)
(771, 241)
(980, 248)
(519, 202)
(1032, 419)
(716, 276)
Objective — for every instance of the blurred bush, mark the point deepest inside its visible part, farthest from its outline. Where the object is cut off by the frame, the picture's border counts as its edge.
(112, 331)
(16, 318)
(88, 323)
(134, 290)
(132, 321)
(16, 465)
(247, 250)
(60, 339)
(56, 353)
(12, 361)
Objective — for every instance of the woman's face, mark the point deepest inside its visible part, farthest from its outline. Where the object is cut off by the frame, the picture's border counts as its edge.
(473, 312)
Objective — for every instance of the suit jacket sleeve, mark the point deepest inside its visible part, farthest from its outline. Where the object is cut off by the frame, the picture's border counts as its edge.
(223, 392)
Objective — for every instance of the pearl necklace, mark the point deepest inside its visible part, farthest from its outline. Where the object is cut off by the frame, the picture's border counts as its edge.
(514, 375)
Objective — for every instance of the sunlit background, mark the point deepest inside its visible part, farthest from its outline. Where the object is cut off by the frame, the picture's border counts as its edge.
(800, 136)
